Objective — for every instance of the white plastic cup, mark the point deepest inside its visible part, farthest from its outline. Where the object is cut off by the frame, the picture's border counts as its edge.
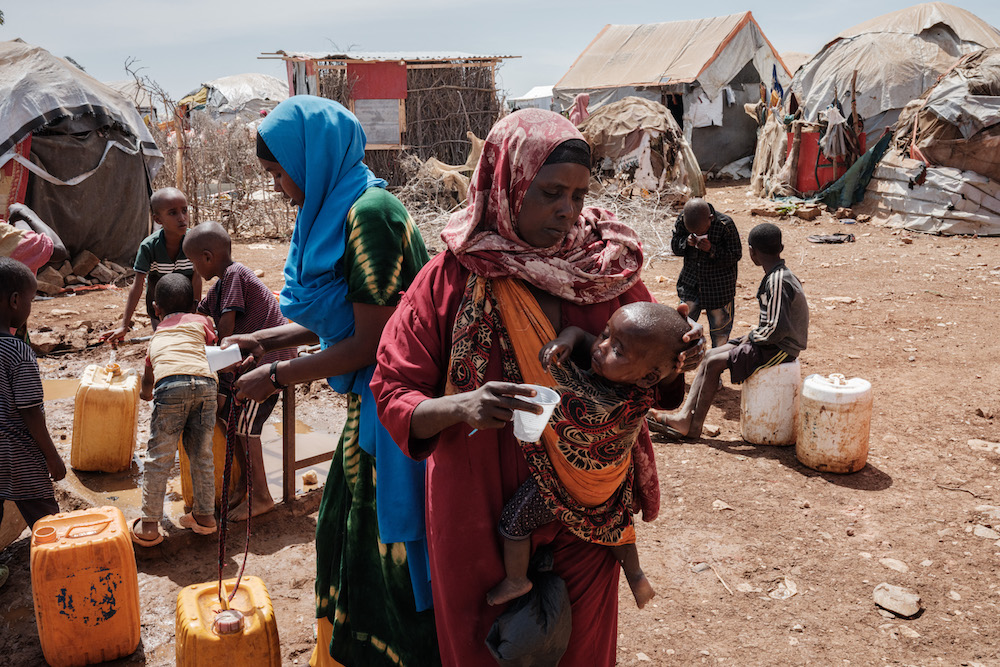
(220, 358)
(527, 425)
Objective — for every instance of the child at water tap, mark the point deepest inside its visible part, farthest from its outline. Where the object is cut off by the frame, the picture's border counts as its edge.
(160, 254)
(183, 390)
(28, 458)
(239, 303)
(583, 476)
(778, 338)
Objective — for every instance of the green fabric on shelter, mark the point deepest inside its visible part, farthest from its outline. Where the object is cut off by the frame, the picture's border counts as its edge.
(849, 189)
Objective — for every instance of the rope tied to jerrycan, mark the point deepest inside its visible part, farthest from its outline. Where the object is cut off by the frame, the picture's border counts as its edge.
(224, 522)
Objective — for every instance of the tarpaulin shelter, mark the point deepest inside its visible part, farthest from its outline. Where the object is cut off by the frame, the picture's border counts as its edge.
(640, 138)
(944, 176)
(703, 70)
(897, 56)
(539, 97)
(75, 151)
(237, 96)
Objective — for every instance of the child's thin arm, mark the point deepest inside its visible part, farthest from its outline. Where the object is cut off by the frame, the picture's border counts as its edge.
(226, 324)
(146, 392)
(570, 340)
(34, 419)
(196, 287)
(134, 294)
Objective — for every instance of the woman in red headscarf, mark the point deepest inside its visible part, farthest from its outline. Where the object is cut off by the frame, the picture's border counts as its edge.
(524, 250)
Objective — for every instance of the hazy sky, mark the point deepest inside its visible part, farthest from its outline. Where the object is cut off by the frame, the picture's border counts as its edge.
(182, 43)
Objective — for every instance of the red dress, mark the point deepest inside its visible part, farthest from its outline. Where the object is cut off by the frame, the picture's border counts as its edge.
(470, 478)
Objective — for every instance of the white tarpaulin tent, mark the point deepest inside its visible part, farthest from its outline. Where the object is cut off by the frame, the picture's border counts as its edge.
(539, 97)
(242, 95)
(703, 70)
(897, 56)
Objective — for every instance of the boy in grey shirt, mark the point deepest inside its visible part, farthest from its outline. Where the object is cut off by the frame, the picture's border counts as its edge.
(778, 338)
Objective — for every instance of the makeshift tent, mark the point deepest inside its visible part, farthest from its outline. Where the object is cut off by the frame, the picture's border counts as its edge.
(944, 176)
(75, 151)
(238, 96)
(539, 97)
(704, 71)
(640, 144)
(897, 56)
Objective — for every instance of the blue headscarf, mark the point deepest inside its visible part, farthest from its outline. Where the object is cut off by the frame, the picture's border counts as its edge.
(321, 145)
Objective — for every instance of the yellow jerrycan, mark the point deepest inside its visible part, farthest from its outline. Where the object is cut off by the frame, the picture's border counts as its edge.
(245, 634)
(105, 419)
(219, 452)
(85, 587)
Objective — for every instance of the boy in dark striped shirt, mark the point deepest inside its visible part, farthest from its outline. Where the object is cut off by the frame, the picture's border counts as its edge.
(778, 338)
(28, 458)
(160, 254)
(710, 245)
(239, 303)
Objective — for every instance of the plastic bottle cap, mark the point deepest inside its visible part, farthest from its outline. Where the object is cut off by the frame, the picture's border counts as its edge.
(45, 535)
(228, 622)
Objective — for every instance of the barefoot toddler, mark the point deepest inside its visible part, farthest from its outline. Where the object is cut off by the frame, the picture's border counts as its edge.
(606, 385)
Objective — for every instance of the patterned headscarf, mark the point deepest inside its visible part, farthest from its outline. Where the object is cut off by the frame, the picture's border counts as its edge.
(598, 260)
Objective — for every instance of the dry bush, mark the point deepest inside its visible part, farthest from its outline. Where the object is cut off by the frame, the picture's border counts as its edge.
(652, 217)
(224, 180)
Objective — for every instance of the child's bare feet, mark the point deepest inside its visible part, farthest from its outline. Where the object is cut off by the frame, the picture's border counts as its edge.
(642, 590)
(678, 422)
(239, 512)
(507, 590)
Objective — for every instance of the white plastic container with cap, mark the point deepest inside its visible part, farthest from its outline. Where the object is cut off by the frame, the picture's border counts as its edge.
(769, 405)
(834, 423)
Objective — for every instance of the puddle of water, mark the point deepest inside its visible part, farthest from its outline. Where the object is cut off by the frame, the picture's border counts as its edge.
(63, 388)
(300, 428)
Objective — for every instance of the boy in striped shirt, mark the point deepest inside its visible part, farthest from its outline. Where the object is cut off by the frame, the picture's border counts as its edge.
(28, 458)
(160, 254)
(778, 338)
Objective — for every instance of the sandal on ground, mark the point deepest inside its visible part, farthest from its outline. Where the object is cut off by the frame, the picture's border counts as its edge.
(831, 238)
(188, 521)
(141, 540)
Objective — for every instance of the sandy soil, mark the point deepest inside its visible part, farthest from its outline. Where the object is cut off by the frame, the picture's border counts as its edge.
(916, 322)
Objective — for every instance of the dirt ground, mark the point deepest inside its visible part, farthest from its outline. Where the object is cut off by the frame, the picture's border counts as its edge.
(910, 313)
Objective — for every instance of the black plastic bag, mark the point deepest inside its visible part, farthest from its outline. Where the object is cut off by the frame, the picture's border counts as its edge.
(534, 630)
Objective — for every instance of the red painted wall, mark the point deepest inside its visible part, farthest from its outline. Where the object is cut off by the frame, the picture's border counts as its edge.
(378, 81)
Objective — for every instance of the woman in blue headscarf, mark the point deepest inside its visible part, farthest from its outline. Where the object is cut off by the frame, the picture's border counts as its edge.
(354, 249)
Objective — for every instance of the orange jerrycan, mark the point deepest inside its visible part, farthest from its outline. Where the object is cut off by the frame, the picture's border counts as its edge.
(85, 587)
(246, 634)
(105, 419)
(219, 452)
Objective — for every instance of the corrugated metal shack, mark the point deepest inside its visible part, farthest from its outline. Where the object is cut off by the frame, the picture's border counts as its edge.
(421, 102)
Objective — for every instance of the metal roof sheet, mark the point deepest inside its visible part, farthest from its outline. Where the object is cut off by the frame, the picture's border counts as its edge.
(382, 56)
